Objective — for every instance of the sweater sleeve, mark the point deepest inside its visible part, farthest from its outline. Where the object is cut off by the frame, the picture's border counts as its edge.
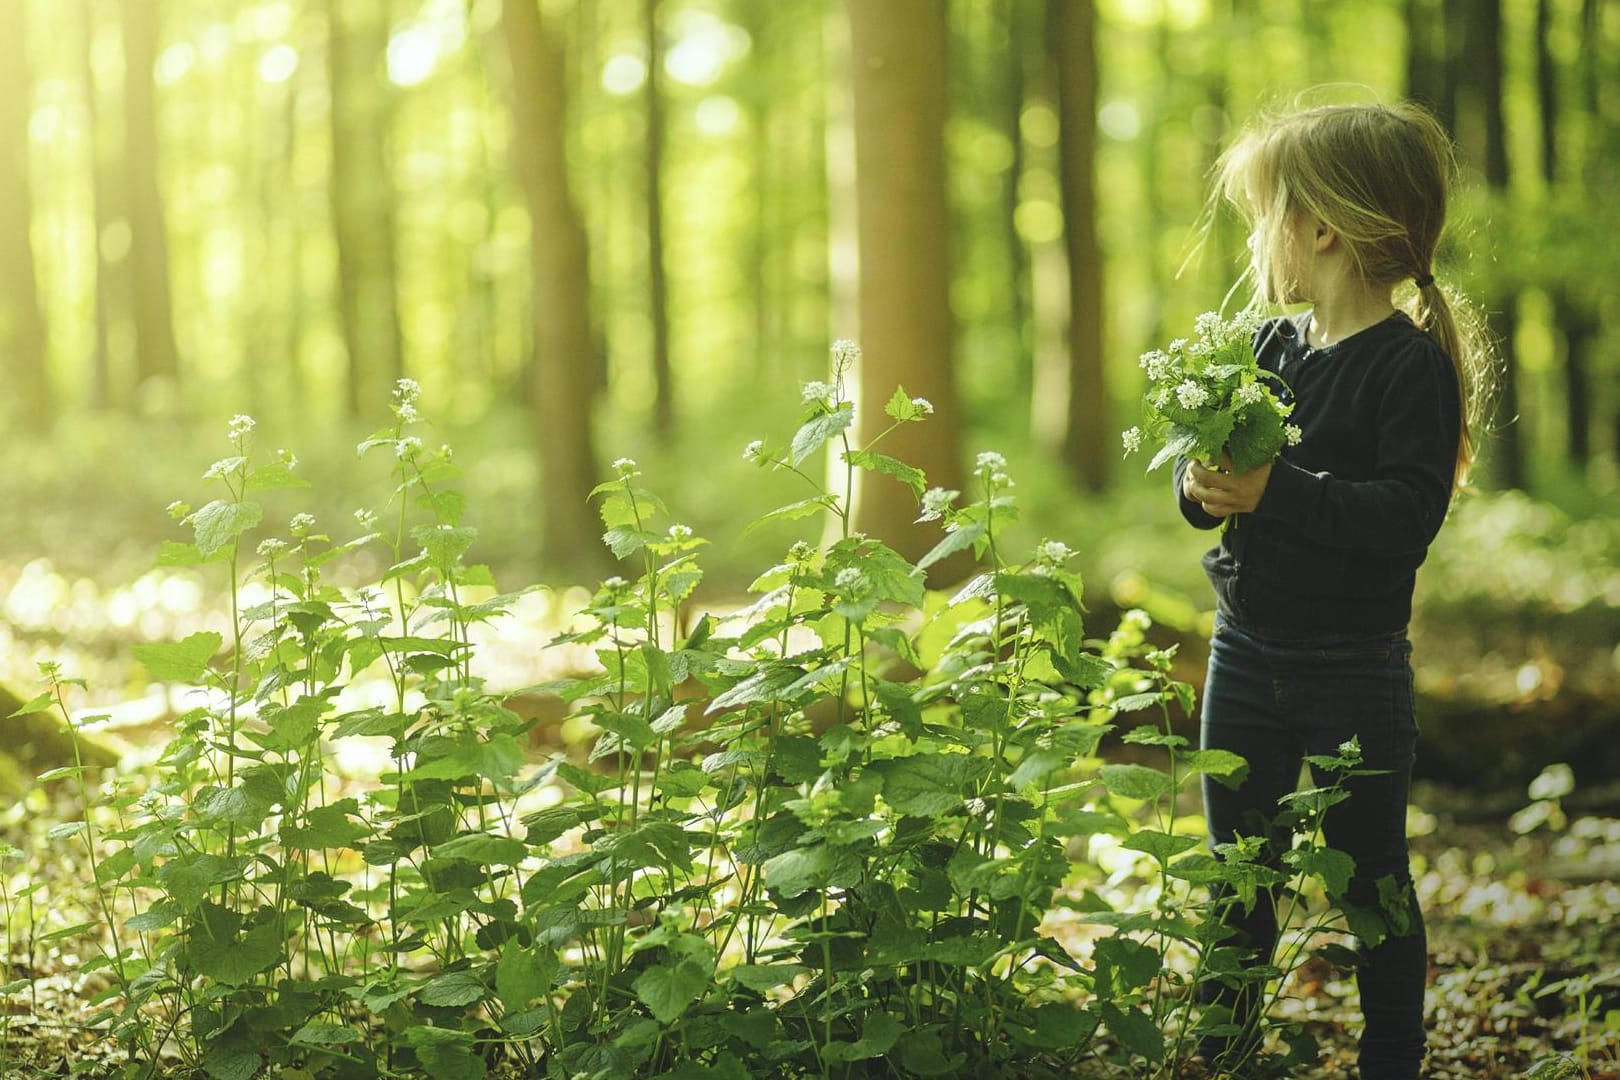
(1402, 506)
(1195, 514)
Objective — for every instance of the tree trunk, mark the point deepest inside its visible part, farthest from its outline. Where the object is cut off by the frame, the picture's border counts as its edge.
(1482, 66)
(1014, 88)
(1071, 35)
(100, 392)
(563, 359)
(898, 52)
(362, 196)
(156, 356)
(657, 285)
(22, 323)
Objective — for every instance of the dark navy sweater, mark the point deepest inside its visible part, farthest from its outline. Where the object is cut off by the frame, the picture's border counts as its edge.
(1333, 548)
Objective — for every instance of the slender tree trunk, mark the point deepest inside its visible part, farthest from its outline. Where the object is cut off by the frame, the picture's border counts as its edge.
(156, 356)
(563, 358)
(362, 195)
(1485, 69)
(657, 283)
(100, 393)
(22, 323)
(1071, 35)
(1014, 89)
(898, 52)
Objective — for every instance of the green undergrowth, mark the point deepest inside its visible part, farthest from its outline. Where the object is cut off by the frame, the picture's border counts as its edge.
(826, 835)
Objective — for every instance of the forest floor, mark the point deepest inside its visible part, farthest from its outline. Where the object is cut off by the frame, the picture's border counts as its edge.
(1525, 954)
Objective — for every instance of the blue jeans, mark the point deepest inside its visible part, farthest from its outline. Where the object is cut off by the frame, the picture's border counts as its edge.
(1273, 703)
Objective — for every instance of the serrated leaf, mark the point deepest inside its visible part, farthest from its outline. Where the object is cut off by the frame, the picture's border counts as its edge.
(38, 703)
(1135, 1030)
(1161, 845)
(232, 1058)
(453, 989)
(220, 522)
(1136, 781)
(818, 866)
(483, 849)
(878, 1035)
(762, 977)
(1333, 867)
(668, 989)
(925, 785)
(173, 553)
(235, 960)
(625, 540)
(814, 432)
(909, 475)
(521, 975)
(446, 1054)
(793, 511)
(958, 539)
(180, 661)
(316, 1033)
(274, 476)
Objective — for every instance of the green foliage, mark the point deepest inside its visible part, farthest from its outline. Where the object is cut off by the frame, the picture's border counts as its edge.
(817, 833)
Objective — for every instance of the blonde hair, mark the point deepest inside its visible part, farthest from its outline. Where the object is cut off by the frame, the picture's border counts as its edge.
(1377, 175)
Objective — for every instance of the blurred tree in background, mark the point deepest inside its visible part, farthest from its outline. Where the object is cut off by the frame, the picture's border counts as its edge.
(636, 224)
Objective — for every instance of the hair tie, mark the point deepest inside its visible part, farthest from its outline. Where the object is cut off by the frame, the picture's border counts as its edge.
(1423, 280)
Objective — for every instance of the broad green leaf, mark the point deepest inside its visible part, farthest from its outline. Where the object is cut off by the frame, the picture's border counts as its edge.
(484, 849)
(171, 553)
(156, 917)
(1224, 765)
(233, 1057)
(1126, 963)
(447, 505)
(625, 540)
(958, 539)
(446, 1054)
(925, 785)
(37, 704)
(235, 960)
(668, 989)
(327, 827)
(453, 989)
(1135, 1030)
(793, 511)
(521, 975)
(765, 684)
(1136, 781)
(274, 476)
(1161, 845)
(815, 867)
(878, 1035)
(316, 1033)
(1180, 442)
(188, 878)
(444, 544)
(68, 931)
(180, 661)
(815, 432)
(909, 475)
(220, 522)
(1333, 867)
(922, 1054)
(762, 977)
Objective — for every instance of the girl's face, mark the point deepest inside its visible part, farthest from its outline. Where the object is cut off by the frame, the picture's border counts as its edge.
(1280, 253)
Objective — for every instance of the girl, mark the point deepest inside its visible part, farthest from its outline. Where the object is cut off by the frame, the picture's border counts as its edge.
(1314, 577)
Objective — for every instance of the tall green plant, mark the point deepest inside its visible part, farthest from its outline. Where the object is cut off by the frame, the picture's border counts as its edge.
(829, 833)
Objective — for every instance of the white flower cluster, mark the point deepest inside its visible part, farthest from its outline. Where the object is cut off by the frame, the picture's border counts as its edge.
(923, 405)
(849, 580)
(1191, 395)
(754, 450)
(241, 425)
(816, 390)
(1055, 552)
(1250, 394)
(624, 468)
(845, 354)
(935, 502)
(1293, 434)
(1132, 438)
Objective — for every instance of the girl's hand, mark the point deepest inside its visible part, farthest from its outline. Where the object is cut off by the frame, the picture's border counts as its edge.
(1222, 492)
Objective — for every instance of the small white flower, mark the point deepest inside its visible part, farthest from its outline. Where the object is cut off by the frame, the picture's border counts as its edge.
(1191, 395)
(816, 390)
(407, 391)
(241, 424)
(615, 583)
(301, 523)
(680, 533)
(1055, 552)
(754, 450)
(845, 353)
(409, 446)
(406, 412)
(1132, 439)
(990, 461)
(287, 458)
(935, 502)
(1293, 434)
(1156, 364)
(366, 518)
(1161, 398)
(1208, 324)
(849, 579)
(224, 467)
(1178, 345)
(269, 549)
(923, 405)
(624, 467)
(801, 551)
(1250, 394)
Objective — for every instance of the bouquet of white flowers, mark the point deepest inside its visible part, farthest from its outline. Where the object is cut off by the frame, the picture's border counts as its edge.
(1209, 396)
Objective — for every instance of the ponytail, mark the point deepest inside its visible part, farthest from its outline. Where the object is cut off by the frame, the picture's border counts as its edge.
(1456, 327)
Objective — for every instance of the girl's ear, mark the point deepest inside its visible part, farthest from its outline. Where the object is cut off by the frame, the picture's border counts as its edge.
(1324, 236)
